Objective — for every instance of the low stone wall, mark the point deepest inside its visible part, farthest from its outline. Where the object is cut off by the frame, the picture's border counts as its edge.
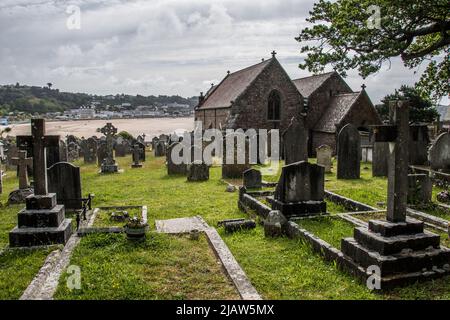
(246, 201)
(348, 203)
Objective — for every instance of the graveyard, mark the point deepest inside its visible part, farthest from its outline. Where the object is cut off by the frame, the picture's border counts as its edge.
(285, 241)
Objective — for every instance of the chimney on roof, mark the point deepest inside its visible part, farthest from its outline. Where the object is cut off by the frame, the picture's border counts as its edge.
(201, 99)
(263, 59)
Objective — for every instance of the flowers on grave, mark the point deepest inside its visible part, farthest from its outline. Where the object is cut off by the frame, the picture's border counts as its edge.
(135, 223)
(119, 216)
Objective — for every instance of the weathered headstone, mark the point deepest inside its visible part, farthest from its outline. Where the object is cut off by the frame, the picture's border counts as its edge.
(154, 143)
(380, 159)
(418, 144)
(109, 165)
(141, 148)
(252, 179)
(136, 157)
(295, 141)
(232, 166)
(300, 190)
(22, 163)
(324, 157)
(101, 152)
(197, 171)
(172, 167)
(160, 149)
(398, 247)
(11, 152)
(64, 180)
(349, 153)
(275, 224)
(42, 222)
(121, 149)
(440, 153)
(73, 151)
(91, 151)
(420, 189)
(63, 153)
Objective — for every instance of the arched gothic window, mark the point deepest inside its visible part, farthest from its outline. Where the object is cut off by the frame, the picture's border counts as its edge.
(274, 107)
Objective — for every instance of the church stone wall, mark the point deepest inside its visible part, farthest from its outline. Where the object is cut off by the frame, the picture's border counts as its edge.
(252, 107)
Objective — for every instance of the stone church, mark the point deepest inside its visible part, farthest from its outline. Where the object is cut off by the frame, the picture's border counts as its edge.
(263, 96)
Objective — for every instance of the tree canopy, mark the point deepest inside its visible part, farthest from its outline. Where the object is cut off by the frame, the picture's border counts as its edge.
(364, 34)
(421, 109)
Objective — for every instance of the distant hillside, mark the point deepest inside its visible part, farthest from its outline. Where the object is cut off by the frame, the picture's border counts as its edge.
(33, 99)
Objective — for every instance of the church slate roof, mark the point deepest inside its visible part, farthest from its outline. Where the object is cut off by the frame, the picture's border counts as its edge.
(339, 106)
(309, 85)
(232, 86)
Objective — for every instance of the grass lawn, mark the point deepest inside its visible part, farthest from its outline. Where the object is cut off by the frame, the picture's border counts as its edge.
(164, 267)
(176, 267)
(17, 268)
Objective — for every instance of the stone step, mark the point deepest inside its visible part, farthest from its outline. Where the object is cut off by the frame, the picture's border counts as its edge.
(30, 237)
(391, 229)
(391, 245)
(41, 218)
(411, 262)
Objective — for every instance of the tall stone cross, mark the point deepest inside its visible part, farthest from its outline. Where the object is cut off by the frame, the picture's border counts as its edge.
(40, 142)
(396, 133)
(109, 131)
(22, 163)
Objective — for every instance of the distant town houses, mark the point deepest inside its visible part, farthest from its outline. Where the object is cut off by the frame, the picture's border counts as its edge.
(125, 110)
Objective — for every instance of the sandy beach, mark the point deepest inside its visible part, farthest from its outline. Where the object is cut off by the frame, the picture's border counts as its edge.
(86, 128)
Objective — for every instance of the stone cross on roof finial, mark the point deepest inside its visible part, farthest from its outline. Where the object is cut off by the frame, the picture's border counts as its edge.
(363, 86)
(274, 53)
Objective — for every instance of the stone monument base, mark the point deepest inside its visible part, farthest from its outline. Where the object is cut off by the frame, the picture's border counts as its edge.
(304, 208)
(404, 252)
(198, 172)
(109, 168)
(42, 222)
(136, 165)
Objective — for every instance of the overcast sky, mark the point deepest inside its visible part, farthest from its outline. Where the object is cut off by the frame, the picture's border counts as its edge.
(158, 46)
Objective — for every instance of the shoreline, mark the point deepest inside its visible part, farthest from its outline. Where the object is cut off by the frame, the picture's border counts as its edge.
(88, 127)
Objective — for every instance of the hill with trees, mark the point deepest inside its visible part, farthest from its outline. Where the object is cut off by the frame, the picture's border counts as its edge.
(33, 99)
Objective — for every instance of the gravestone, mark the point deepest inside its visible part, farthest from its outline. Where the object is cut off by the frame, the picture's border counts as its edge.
(252, 179)
(2, 151)
(300, 190)
(141, 148)
(11, 152)
(418, 144)
(197, 171)
(121, 149)
(324, 156)
(173, 168)
(101, 152)
(90, 151)
(232, 166)
(380, 159)
(164, 137)
(109, 165)
(440, 153)
(22, 162)
(275, 224)
(64, 180)
(349, 153)
(420, 189)
(63, 156)
(160, 150)
(399, 247)
(155, 141)
(295, 141)
(73, 152)
(136, 157)
(42, 222)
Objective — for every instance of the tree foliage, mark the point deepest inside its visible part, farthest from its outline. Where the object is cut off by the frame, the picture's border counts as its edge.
(347, 35)
(421, 109)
